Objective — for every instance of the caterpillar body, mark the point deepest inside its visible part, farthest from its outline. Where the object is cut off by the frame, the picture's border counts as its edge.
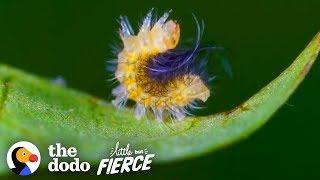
(155, 73)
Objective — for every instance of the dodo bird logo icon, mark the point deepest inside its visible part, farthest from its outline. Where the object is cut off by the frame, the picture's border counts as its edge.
(23, 158)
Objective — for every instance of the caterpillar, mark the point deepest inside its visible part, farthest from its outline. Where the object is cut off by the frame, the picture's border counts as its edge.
(157, 74)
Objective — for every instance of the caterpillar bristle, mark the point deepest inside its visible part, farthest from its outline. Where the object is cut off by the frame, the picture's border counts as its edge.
(157, 74)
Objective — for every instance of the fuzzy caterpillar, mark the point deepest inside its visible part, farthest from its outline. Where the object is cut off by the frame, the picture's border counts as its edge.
(155, 73)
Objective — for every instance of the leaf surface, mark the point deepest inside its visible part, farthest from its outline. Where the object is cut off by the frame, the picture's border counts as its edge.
(34, 109)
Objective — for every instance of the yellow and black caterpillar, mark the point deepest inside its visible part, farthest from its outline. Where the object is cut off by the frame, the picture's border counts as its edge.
(155, 73)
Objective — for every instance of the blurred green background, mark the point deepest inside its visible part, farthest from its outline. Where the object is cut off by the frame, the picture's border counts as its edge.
(71, 38)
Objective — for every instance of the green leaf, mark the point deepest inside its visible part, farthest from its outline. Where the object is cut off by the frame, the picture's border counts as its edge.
(34, 109)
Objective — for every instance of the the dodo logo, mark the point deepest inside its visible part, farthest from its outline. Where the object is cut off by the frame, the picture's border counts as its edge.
(23, 158)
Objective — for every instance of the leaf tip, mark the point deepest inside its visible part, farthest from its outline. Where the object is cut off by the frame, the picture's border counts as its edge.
(318, 37)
